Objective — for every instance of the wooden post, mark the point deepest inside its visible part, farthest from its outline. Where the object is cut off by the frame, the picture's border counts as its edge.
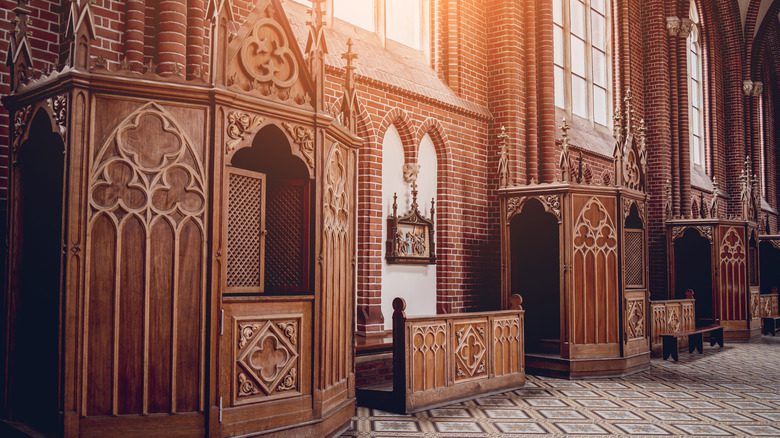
(399, 353)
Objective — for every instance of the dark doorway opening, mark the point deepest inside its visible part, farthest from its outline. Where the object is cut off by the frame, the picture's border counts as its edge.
(34, 383)
(535, 264)
(693, 270)
(770, 267)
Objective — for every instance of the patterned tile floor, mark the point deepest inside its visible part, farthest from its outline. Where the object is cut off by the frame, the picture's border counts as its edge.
(733, 392)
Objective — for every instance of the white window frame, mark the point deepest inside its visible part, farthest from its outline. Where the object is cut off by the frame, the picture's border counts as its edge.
(568, 74)
(380, 22)
(698, 154)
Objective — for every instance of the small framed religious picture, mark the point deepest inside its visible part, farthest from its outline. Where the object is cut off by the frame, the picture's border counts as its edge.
(410, 238)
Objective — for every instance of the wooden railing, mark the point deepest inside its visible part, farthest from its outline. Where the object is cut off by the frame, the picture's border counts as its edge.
(769, 305)
(444, 358)
(671, 316)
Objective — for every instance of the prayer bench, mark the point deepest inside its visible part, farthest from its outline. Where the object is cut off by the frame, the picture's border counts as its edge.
(695, 339)
(770, 324)
(442, 359)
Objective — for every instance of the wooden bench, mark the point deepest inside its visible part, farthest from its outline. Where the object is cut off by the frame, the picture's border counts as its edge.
(442, 359)
(769, 324)
(695, 339)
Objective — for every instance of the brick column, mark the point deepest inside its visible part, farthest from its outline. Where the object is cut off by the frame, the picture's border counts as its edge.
(134, 35)
(196, 29)
(657, 101)
(171, 37)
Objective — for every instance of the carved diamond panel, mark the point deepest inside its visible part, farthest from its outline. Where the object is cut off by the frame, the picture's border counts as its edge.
(635, 318)
(470, 350)
(267, 358)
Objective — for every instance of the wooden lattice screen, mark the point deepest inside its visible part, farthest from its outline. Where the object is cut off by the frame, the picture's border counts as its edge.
(245, 231)
(634, 258)
(287, 242)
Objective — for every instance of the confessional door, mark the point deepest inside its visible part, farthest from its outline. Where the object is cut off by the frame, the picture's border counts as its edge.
(36, 294)
(265, 351)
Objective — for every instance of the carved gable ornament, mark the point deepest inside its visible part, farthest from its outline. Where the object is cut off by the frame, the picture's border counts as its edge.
(264, 58)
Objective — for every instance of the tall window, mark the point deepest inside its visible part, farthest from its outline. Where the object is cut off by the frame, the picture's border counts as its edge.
(582, 50)
(695, 91)
(402, 21)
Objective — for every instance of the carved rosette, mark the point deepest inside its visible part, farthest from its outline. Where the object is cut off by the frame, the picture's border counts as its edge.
(21, 119)
(303, 143)
(267, 358)
(239, 127)
(59, 106)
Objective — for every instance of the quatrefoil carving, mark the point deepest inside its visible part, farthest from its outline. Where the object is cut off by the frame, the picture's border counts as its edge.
(150, 140)
(120, 187)
(178, 190)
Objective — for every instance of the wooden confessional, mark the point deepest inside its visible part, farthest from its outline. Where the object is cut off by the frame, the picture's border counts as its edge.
(181, 253)
(577, 253)
(717, 259)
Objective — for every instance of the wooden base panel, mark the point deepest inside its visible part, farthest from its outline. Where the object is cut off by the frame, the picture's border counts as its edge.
(742, 335)
(556, 366)
(332, 424)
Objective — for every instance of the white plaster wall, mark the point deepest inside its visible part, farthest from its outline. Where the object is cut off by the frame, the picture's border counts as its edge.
(414, 283)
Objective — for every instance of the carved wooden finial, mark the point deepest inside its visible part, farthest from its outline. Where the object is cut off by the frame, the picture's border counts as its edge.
(503, 158)
(19, 56)
(349, 102)
(415, 207)
(629, 110)
(316, 49)
(702, 206)
(565, 162)
(690, 294)
(516, 302)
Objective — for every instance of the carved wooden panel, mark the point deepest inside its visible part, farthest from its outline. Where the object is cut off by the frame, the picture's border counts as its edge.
(267, 358)
(755, 304)
(670, 316)
(634, 256)
(594, 296)
(264, 60)
(427, 356)
(470, 350)
(508, 352)
(768, 305)
(144, 300)
(732, 260)
(245, 231)
(338, 213)
(635, 318)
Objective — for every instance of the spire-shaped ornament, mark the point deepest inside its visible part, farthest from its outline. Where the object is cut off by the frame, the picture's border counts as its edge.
(19, 56)
(503, 159)
(565, 162)
(617, 153)
(316, 49)
(349, 102)
(747, 180)
(79, 32)
(642, 151)
(715, 199)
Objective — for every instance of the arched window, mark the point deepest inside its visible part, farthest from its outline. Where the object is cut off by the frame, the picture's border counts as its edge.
(695, 90)
(583, 82)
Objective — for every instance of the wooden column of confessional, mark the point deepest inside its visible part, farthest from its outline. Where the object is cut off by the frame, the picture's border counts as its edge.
(199, 277)
(595, 247)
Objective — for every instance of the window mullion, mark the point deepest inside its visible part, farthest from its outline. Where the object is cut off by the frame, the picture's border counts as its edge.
(589, 59)
(567, 74)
